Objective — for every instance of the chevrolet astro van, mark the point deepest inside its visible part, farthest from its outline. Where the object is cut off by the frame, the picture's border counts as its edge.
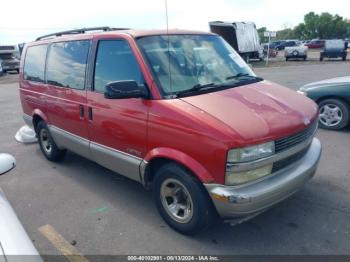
(178, 111)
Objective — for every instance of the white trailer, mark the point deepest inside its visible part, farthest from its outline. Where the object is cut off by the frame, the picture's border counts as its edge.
(242, 36)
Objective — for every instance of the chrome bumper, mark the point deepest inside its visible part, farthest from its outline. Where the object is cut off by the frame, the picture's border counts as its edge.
(247, 200)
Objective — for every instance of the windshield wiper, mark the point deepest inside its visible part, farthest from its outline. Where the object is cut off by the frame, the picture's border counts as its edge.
(196, 88)
(239, 75)
(200, 87)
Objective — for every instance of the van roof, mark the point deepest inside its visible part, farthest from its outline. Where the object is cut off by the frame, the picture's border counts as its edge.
(72, 35)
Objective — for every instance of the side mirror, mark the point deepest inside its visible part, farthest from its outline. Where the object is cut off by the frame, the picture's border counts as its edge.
(125, 89)
(7, 162)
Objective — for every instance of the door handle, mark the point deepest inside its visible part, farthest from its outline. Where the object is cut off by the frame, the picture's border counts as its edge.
(90, 113)
(81, 111)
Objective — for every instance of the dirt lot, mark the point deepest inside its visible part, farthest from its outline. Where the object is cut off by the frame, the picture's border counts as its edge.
(101, 212)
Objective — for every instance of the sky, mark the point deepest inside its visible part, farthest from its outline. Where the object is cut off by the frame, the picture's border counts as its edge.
(24, 20)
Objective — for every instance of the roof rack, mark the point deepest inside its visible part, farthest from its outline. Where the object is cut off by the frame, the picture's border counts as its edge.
(81, 31)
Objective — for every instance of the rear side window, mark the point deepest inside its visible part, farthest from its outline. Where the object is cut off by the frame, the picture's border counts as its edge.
(115, 61)
(34, 64)
(66, 64)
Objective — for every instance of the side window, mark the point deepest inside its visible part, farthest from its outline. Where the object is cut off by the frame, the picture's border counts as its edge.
(34, 63)
(115, 62)
(66, 64)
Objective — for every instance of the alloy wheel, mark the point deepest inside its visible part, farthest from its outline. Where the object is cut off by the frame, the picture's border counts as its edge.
(330, 115)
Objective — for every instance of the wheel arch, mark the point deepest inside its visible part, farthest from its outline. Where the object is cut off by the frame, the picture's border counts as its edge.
(38, 116)
(322, 98)
(160, 156)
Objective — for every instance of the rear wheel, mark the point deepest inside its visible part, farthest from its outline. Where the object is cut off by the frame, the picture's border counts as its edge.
(47, 145)
(334, 114)
(182, 200)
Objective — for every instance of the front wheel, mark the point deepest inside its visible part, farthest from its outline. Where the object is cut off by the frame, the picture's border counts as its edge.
(334, 114)
(47, 144)
(182, 200)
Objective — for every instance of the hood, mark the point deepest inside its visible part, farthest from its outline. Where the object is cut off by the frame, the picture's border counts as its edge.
(258, 112)
(328, 82)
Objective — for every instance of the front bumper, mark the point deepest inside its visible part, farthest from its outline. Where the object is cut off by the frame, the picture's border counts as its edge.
(247, 200)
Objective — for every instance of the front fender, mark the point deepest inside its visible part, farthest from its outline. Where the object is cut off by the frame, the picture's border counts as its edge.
(172, 154)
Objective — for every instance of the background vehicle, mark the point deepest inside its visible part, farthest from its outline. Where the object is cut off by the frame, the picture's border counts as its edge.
(333, 98)
(334, 49)
(315, 43)
(14, 240)
(274, 44)
(287, 43)
(1, 72)
(295, 52)
(8, 57)
(242, 36)
(272, 52)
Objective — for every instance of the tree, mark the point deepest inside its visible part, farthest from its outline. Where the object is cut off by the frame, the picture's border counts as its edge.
(286, 34)
(261, 31)
(323, 26)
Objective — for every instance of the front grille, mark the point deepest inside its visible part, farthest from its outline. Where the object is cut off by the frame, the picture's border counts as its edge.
(7, 47)
(289, 160)
(10, 63)
(292, 140)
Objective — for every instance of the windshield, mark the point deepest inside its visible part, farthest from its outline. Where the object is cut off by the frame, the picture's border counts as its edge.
(193, 60)
(338, 44)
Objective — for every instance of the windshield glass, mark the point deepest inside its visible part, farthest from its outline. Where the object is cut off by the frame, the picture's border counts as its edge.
(339, 44)
(191, 61)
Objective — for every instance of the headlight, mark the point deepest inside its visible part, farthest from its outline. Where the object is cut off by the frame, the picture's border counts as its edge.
(251, 153)
(246, 154)
(302, 92)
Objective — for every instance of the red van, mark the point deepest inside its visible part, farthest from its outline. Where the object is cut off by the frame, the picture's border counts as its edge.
(179, 112)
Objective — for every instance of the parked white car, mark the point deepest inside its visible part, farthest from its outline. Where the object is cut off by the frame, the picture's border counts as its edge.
(14, 241)
(296, 52)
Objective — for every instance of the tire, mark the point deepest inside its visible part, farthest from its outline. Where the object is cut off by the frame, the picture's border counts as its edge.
(334, 114)
(17, 70)
(321, 58)
(287, 58)
(47, 144)
(304, 58)
(344, 58)
(197, 212)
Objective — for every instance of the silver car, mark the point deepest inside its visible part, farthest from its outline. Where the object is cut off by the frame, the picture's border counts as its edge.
(297, 51)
